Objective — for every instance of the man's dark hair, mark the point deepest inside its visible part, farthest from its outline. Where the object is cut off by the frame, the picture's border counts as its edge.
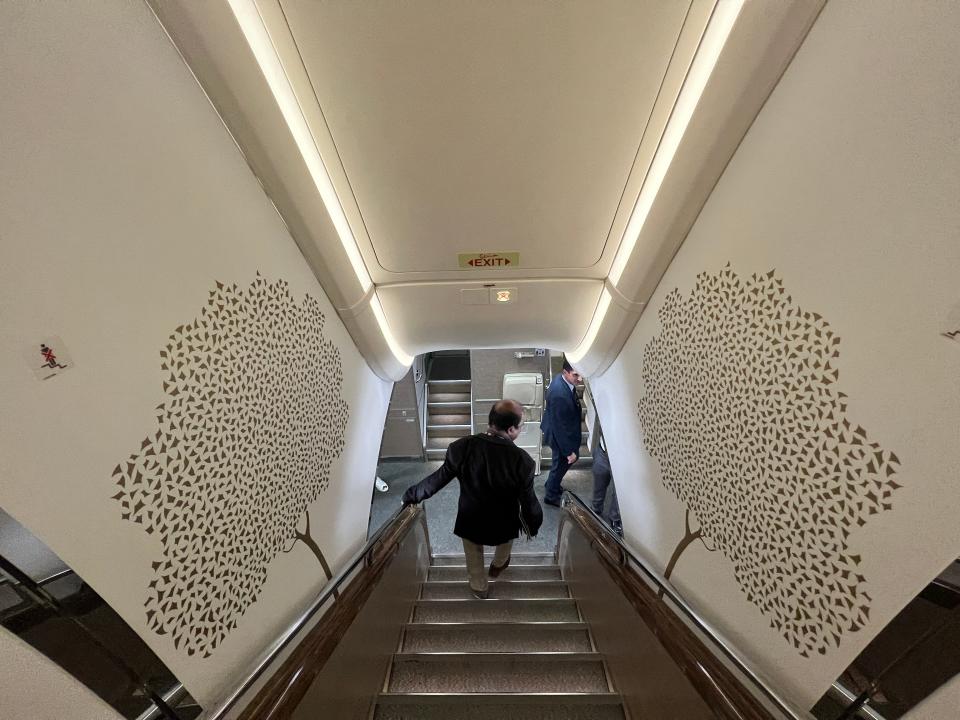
(504, 415)
(567, 366)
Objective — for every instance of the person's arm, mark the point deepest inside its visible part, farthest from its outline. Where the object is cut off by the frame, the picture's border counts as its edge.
(530, 509)
(433, 483)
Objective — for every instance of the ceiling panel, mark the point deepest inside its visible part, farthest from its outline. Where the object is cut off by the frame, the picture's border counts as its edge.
(427, 317)
(491, 126)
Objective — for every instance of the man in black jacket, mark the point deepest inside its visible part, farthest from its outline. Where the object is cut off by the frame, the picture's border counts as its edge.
(496, 492)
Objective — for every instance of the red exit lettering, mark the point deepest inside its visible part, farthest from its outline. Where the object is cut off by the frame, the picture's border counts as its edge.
(489, 262)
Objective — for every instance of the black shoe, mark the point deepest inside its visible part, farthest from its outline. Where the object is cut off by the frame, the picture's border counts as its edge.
(495, 571)
(550, 501)
(481, 594)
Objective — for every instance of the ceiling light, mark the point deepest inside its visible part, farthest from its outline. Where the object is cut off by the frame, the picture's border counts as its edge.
(258, 38)
(718, 30)
(584, 347)
(503, 296)
(395, 348)
(724, 16)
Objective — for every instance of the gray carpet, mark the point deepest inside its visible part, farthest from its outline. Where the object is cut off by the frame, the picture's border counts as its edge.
(509, 638)
(544, 674)
(491, 611)
(442, 507)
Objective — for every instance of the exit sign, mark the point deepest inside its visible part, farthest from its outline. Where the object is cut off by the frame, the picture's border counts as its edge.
(478, 261)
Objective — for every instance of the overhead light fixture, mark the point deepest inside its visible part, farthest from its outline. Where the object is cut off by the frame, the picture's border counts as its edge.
(258, 38)
(395, 348)
(584, 347)
(724, 16)
(715, 36)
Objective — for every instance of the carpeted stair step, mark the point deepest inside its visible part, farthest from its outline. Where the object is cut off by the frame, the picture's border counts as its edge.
(600, 706)
(513, 572)
(496, 637)
(499, 589)
(445, 396)
(517, 559)
(497, 673)
(479, 611)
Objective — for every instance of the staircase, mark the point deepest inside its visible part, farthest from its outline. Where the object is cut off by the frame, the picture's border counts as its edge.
(448, 415)
(523, 654)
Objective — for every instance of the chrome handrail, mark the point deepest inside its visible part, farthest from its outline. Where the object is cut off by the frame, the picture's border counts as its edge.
(287, 635)
(755, 676)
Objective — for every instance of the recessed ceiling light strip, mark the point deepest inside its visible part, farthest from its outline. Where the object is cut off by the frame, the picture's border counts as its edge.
(722, 20)
(584, 347)
(258, 38)
(714, 38)
(395, 348)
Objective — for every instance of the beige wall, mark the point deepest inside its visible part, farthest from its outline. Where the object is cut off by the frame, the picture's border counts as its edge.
(847, 186)
(122, 202)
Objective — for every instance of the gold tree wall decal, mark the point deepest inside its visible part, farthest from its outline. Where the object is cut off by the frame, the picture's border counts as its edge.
(742, 413)
(244, 444)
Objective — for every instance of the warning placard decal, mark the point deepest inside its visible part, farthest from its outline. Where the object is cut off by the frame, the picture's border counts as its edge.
(48, 357)
(478, 261)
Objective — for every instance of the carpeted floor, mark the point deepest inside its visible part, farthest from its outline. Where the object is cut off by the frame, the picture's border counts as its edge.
(442, 507)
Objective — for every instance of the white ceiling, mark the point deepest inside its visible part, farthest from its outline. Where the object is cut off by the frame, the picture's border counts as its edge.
(393, 135)
(544, 313)
(485, 126)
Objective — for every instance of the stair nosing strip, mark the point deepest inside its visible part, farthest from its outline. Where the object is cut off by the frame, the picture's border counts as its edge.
(487, 656)
(493, 698)
(512, 564)
(512, 555)
(494, 624)
(556, 624)
(497, 581)
(490, 601)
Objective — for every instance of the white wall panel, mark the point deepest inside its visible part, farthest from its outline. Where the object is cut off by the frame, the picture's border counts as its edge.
(122, 202)
(846, 185)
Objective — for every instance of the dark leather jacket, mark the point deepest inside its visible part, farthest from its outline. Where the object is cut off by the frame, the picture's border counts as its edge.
(496, 488)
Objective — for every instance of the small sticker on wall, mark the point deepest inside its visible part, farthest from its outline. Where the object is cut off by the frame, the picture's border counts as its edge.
(48, 358)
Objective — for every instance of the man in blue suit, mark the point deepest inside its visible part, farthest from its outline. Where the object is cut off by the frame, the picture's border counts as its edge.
(561, 428)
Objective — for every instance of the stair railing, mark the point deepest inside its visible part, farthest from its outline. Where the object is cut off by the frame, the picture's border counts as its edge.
(290, 682)
(725, 692)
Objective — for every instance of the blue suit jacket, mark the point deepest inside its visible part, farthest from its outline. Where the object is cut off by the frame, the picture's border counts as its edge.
(561, 421)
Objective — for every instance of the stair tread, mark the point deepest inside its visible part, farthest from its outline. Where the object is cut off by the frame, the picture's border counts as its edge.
(465, 674)
(499, 589)
(496, 637)
(513, 572)
(538, 656)
(480, 611)
(512, 698)
(447, 396)
(499, 706)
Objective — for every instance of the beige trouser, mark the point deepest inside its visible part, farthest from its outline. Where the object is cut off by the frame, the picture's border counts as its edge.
(476, 568)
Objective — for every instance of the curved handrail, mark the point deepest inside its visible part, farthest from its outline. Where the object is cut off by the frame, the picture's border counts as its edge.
(403, 515)
(666, 589)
